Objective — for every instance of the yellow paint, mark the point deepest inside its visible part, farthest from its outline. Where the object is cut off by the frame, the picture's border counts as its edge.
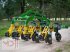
(10, 30)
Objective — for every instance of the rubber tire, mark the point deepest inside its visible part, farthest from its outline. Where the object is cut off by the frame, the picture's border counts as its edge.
(58, 37)
(28, 36)
(7, 34)
(15, 34)
(37, 39)
(48, 39)
(23, 37)
(41, 38)
(33, 37)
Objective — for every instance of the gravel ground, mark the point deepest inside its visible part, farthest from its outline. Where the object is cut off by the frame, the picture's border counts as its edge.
(29, 46)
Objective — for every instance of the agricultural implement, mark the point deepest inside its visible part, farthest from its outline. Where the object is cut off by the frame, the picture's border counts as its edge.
(32, 25)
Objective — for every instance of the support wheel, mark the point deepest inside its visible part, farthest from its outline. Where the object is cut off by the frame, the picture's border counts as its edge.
(15, 35)
(37, 39)
(24, 37)
(41, 38)
(33, 37)
(29, 36)
(48, 39)
(7, 34)
(58, 37)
